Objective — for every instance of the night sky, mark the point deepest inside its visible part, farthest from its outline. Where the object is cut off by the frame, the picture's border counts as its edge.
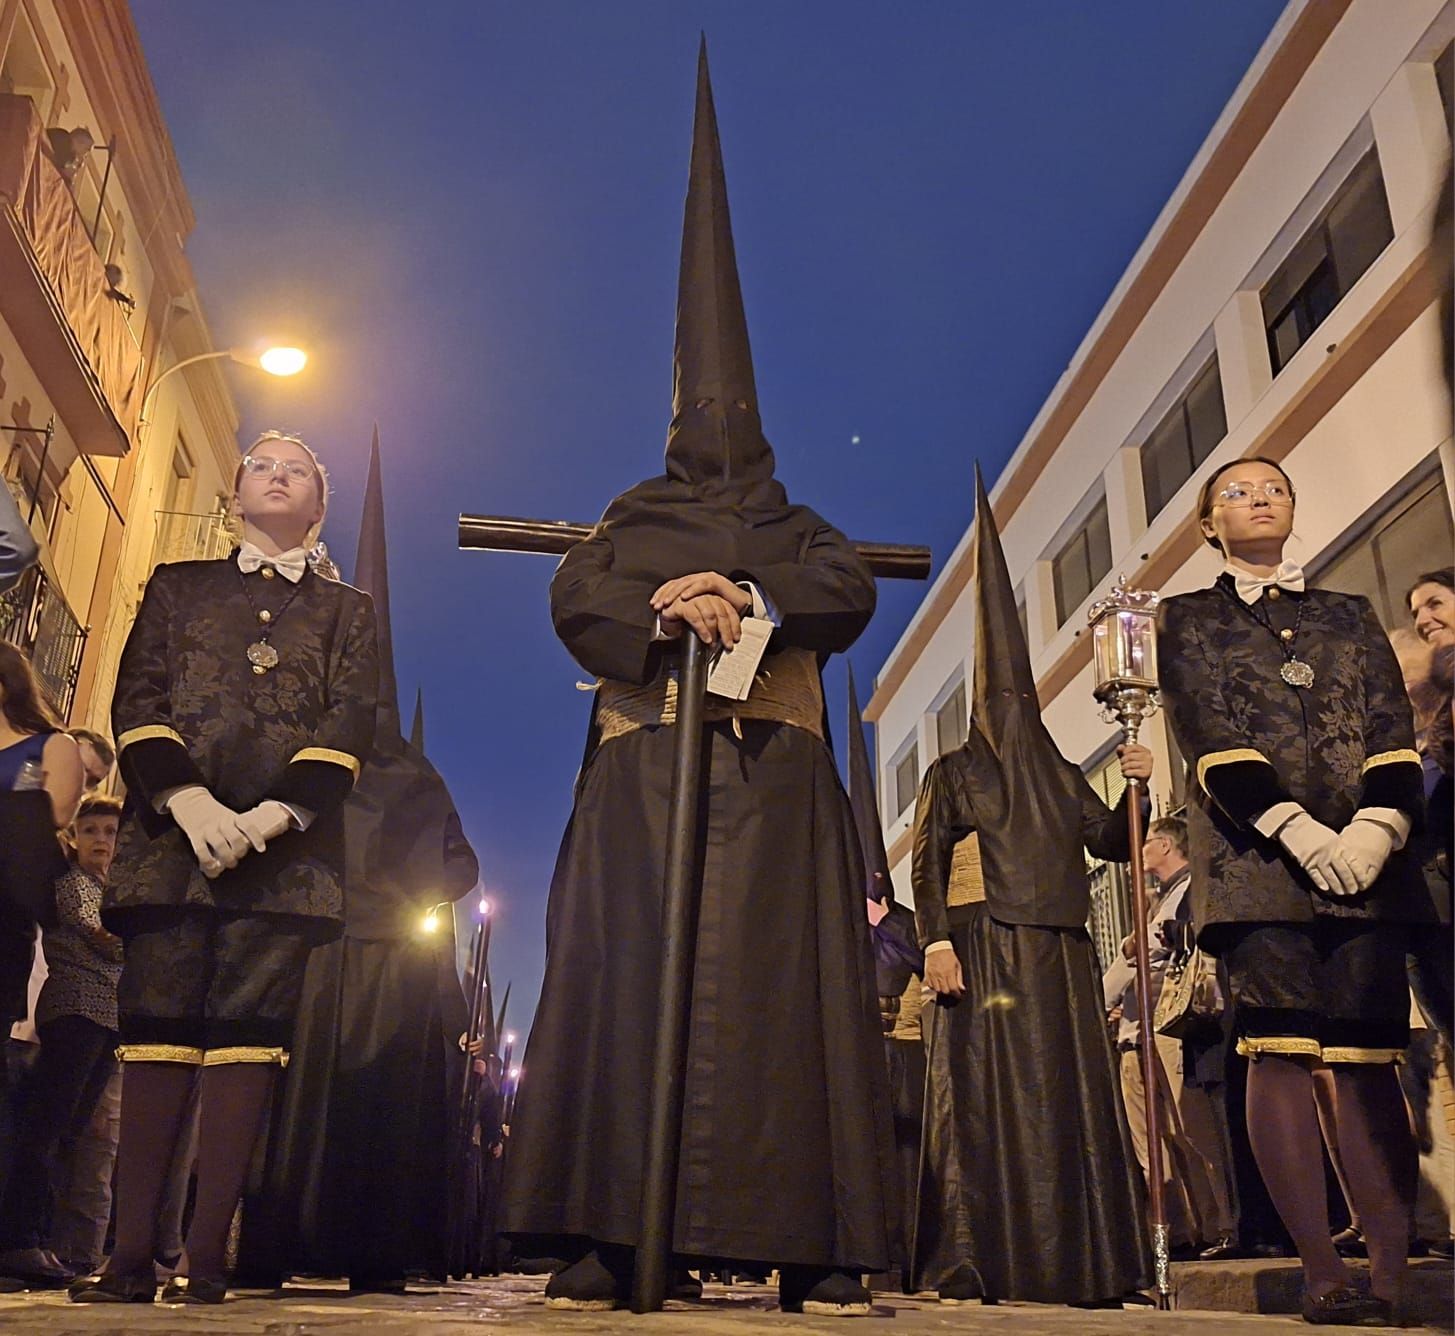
(469, 213)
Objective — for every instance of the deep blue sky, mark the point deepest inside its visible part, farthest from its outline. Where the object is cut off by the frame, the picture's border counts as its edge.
(469, 212)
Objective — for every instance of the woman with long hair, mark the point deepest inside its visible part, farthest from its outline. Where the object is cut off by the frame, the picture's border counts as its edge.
(35, 752)
(1290, 707)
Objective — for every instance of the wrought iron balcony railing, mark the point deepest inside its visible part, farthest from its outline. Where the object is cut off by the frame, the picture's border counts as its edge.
(183, 536)
(35, 617)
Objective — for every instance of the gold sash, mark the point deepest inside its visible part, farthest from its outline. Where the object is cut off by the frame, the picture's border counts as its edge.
(967, 882)
(787, 690)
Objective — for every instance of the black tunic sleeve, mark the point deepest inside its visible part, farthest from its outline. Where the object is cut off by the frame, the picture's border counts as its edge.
(605, 620)
(824, 600)
(321, 775)
(153, 754)
(1392, 776)
(941, 821)
(1237, 777)
(1104, 830)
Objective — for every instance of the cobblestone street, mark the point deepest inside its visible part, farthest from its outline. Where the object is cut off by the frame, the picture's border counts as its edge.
(515, 1303)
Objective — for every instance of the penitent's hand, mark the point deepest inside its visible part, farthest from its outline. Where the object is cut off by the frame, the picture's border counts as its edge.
(1136, 761)
(942, 973)
(713, 619)
(704, 582)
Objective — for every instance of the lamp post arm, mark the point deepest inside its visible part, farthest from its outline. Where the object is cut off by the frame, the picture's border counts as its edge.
(176, 366)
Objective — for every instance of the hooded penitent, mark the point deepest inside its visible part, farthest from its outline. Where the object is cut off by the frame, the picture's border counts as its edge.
(782, 963)
(1029, 799)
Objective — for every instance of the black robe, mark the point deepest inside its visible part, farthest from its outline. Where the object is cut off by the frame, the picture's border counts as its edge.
(1027, 1174)
(188, 709)
(359, 1178)
(786, 1152)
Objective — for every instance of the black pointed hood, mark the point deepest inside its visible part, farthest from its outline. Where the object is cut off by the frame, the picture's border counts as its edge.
(416, 729)
(1005, 686)
(371, 574)
(716, 440)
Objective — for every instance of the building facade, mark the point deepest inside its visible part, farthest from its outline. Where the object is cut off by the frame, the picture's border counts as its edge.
(1285, 304)
(116, 463)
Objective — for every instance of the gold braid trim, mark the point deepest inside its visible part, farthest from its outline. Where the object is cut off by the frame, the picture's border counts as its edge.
(967, 880)
(787, 690)
(1251, 1046)
(1347, 1053)
(229, 1057)
(191, 1057)
(146, 732)
(1206, 763)
(1390, 758)
(349, 763)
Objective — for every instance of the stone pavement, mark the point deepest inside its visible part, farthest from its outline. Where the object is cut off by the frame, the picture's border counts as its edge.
(515, 1303)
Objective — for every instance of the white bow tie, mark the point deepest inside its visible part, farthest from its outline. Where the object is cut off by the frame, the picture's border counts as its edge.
(1250, 587)
(290, 564)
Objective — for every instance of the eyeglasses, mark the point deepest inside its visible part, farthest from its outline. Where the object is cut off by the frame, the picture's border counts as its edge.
(1242, 493)
(263, 466)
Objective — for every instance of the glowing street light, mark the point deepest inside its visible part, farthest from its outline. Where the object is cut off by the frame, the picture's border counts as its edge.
(278, 361)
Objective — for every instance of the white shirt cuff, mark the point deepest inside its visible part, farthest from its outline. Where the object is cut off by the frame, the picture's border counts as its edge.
(302, 818)
(939, 946)
(1275, 818)
(1397, 821)
(160, 802)
(762, 605)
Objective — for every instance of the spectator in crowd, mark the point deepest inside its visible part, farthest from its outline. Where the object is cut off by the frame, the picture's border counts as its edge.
(1289, 705)
(18, 549)
(97, 757)
(76, 1020)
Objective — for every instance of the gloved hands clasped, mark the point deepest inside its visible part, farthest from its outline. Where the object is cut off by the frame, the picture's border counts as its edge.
(219, 836)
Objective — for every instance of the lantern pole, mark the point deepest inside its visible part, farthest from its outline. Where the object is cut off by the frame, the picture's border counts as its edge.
(1124, 654)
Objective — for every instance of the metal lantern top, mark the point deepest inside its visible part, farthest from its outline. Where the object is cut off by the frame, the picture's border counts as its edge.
(1124, 640)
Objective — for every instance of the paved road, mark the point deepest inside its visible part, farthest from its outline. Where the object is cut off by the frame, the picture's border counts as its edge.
(514, 1303)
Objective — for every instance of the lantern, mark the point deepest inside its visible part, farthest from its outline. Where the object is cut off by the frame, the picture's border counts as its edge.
(1124, 655)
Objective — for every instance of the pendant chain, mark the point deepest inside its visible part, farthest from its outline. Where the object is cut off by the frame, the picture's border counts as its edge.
(1294, 671)
(261, 654)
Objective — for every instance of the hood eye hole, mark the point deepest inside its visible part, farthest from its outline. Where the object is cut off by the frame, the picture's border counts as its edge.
(741, 403)
(1006, 691)
(704, 403)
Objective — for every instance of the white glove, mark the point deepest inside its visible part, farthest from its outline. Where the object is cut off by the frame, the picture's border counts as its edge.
(1318, 851)
(265, 822)
(1367, 843)
(218, 840)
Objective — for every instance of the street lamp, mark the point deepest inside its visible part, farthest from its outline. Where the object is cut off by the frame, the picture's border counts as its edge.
(275, 361)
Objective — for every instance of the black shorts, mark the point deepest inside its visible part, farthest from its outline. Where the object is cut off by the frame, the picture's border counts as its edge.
(1335, 989)
(205, 988)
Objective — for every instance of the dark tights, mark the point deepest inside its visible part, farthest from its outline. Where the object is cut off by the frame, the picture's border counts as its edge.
(153, 1103)
(1378, 1154)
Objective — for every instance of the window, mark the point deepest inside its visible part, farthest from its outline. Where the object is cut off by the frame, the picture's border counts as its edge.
(1078, 566)
(177, 487)
(1020, 612)
(1329, 260)
(23, 70)
(951, 722)
(1110, 916)
(906, 780)
(1183, 439)
(1412, 536)
(31, 468)
(1445, 78)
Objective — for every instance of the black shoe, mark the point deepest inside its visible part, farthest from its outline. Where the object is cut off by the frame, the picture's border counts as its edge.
(682, 1284)
(36, 1267)
(1184, 1252)
(1268, 1252)
(193, 1290)
(588, 1287)
(1350, 1243)
(1441, 1248)
(114, 1287)
(1224, 1249)
(963, 1286)
(1347, 1307)
(367, 1284)
(817, 1290)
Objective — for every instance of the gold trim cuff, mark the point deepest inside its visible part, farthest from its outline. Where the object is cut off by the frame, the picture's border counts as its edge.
(1390, 758)
(1206, 763)
(1363, 1055)
(230, 1057)
(190, 1057)
(146, 732)
(350, 763)
(1251, 1046)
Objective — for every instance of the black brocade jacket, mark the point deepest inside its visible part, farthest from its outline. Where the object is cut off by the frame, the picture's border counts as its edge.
(1252, 741)
(189, 709)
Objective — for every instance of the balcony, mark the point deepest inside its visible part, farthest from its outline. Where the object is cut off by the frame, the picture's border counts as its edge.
(53, 293)
(34, 616)
(183, 536)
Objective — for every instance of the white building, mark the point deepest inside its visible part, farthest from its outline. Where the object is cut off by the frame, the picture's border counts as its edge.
(1284, 304)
